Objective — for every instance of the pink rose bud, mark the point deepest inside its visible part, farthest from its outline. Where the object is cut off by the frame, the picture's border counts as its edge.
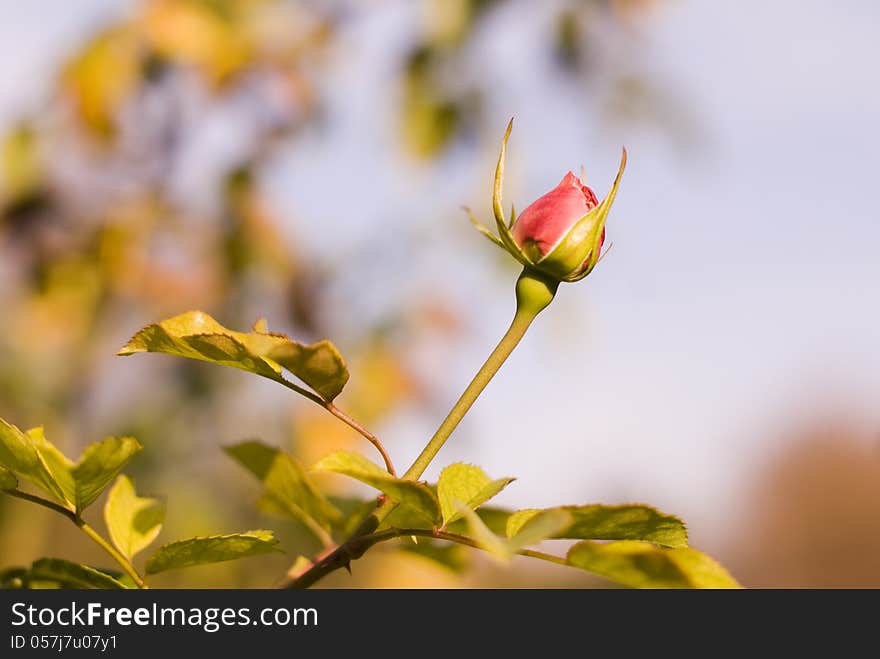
(544, 224)
(560, 234)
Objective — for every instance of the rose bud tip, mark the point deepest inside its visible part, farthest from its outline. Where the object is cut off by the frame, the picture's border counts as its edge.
(560, 234)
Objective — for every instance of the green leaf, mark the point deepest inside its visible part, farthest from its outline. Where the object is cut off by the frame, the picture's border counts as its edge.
(644, 565)
(449, 555)
(31, 456)
(354, 513)
(59, 465)
(466, 484)
(212, 549)
(483, 536)
(72, 575)
(406, 517)
(25, 455)
(546, 524)
(494, 518)
(623, 522)
(540, 527)
(99, 465)
(417, 496)
(133, 521)
(196, 335)
(289, 490)
(8, 481)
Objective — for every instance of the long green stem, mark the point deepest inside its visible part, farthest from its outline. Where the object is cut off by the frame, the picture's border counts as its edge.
(533, 293)
(508, 342)
(123, 562)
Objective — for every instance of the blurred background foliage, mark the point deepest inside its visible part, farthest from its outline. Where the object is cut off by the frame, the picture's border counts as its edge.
(140, 188)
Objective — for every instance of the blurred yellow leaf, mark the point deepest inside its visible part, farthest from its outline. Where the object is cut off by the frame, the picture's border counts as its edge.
(254, 237)
(62, 313)
(449, 20)
(102, 76)
(199, 33)
(380, 384)
(21, 169)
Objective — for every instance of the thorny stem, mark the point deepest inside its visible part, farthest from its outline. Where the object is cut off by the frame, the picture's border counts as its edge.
(533, 293)
(123, 562)
(356, 547)
(347, 420)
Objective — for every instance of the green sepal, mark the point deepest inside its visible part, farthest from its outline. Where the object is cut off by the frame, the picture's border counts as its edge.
(482, 229)
(503, 229)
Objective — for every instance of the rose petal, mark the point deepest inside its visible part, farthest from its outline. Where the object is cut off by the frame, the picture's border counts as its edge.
(547, 220)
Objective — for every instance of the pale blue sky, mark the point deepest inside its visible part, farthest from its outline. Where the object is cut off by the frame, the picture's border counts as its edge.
(739, 301)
